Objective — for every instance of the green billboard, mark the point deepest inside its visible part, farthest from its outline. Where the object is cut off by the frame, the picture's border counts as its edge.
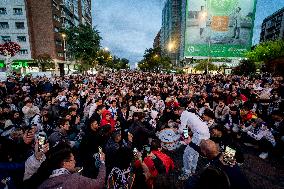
(219, 28)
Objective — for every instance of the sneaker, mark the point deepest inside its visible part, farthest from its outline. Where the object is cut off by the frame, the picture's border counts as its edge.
(263, 155)
(184, 176)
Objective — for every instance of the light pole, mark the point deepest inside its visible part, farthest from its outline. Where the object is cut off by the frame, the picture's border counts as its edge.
(209, 54)
(65, 51)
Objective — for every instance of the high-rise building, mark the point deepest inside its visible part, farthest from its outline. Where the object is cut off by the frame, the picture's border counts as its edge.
(14, 27)
(36, 25)
(47, 17)
(206, 29)
(157, 40)
(273, 26)
(171, 29)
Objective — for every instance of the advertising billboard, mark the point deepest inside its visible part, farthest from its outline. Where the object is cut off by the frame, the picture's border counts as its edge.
(219, 28)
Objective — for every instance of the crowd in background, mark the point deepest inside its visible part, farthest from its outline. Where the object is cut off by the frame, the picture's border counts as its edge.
(100, 131)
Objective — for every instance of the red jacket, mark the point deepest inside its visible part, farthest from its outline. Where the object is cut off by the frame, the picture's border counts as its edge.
(110, 122)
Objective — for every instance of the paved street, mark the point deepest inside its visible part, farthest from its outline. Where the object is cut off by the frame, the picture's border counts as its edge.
(262, 174)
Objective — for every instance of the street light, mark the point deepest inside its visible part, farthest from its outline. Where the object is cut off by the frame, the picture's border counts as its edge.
(106, 49)
(64, 36)
(64, 44)
(171, 48)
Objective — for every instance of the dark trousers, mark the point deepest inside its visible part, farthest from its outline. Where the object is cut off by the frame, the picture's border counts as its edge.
(263, 144)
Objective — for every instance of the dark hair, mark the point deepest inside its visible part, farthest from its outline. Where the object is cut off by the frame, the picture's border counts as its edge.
(213, 177)
(54, 159)
(220, 128)
(209, 113)
(62, 122)
(155, 144)
(57, 154)
(72, 109)
(99, 107)
(97, 100)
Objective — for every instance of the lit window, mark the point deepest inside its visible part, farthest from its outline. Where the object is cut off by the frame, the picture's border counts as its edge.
(60, 54)
(56, 29)
(55, 17)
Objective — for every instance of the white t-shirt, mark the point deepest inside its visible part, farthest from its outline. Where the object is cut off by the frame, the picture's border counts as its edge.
(198, 127)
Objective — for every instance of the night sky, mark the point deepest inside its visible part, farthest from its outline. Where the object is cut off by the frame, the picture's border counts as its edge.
(128, 27)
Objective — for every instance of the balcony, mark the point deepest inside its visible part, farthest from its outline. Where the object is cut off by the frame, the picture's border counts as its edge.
(67, 6)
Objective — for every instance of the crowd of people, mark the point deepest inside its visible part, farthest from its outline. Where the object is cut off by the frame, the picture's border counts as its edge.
(100, 131)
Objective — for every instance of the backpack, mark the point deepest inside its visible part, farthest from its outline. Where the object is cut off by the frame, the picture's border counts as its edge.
(120, 179)
(159, 165)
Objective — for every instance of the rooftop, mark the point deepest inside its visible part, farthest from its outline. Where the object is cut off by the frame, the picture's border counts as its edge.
(274, 14)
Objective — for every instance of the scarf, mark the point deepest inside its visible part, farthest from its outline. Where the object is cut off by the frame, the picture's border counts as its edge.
(58, 172)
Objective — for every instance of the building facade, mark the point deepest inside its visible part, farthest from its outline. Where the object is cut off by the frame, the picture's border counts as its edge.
(47, 17)
(171, 29)
(14, 28)
(36, 26)
(273, 27)
(206, 29)
(157, 40)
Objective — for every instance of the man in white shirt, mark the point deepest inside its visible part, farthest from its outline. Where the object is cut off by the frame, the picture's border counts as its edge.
(200, 131)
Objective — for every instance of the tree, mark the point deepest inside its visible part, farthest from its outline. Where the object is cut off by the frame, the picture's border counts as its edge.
(267, 51)
(83, 43)
(246, 67)
(103, 57)
(118, 63)
(9, 49)
(124, 63)
(201, 66)
(154, 61)
(44, 62)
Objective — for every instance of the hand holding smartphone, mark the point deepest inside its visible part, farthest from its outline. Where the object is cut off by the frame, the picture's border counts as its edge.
(41, 140)
(100, 150)
(229, 155)
(185, 133)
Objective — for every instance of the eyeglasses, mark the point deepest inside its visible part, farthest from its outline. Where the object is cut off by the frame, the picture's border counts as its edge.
(70, 160)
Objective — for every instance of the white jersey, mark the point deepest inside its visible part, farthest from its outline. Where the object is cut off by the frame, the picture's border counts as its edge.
(198, 127)
(93, 108)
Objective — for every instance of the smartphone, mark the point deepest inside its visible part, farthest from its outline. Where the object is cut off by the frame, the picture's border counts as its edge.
(185, 133)
(41, 140)
(135, 151)
(147, 149)
(100, 150)
(229, 155)
(230, 151)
